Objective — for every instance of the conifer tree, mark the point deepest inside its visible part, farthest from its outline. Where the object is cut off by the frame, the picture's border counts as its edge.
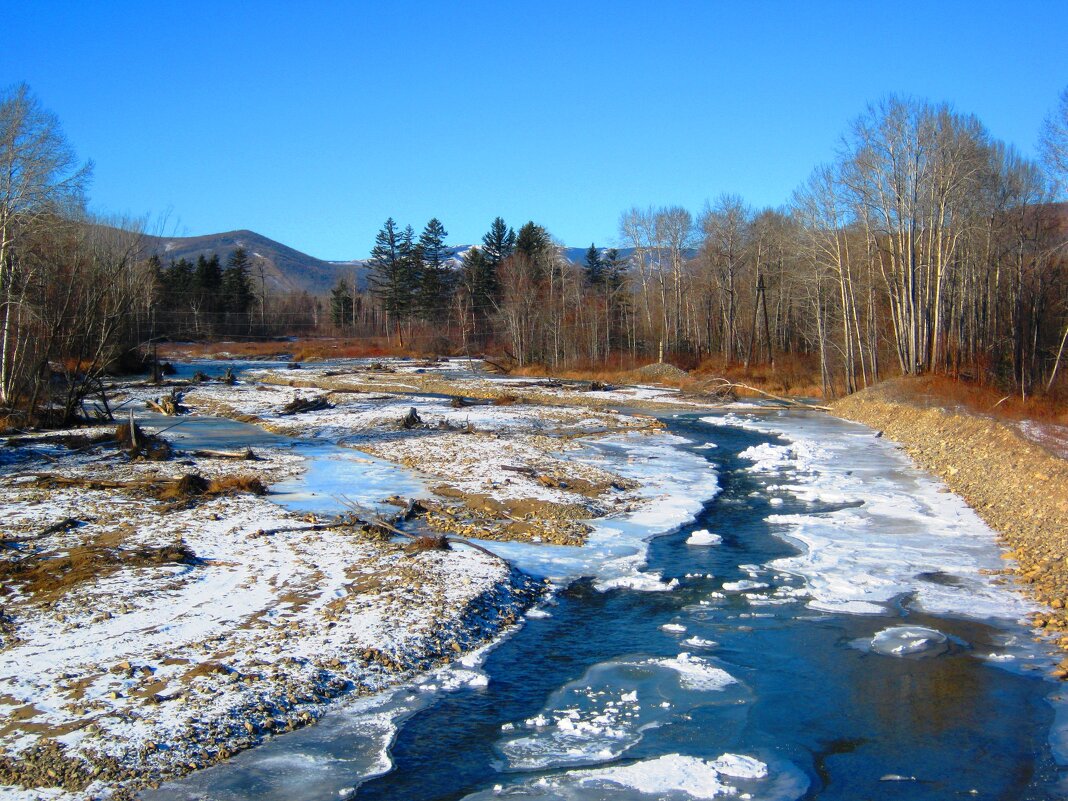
(340, 304)
(392, 271)
(498, 243)
(208, 274)
(435, 276)
(594, 266)
(236, 284)
(614, 269)
(532, 240)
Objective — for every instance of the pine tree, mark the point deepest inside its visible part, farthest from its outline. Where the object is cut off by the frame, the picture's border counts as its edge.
(479, 280)
(614, 269)
(340, 304)
(594, 266)
(236, 284)
(532, 241)
(498, 243)
(208, 274)
(392, 271)
(435, 278)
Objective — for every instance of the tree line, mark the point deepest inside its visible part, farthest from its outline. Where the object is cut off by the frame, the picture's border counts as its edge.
(926, 245)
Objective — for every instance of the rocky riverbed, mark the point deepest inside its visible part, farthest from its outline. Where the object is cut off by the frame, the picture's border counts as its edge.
(1006, 472)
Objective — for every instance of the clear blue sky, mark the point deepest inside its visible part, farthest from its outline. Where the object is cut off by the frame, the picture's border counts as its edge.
(311, 122)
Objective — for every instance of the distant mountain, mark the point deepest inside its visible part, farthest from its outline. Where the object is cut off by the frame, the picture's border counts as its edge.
(288, 270)
(284, 269)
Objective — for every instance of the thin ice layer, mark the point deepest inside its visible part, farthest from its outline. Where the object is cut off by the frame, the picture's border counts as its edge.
(675, 486)
(670, 777)
(897, 531)
(600, 716)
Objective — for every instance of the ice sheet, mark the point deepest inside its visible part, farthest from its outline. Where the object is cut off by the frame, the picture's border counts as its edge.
(676, 485)
(897, 532)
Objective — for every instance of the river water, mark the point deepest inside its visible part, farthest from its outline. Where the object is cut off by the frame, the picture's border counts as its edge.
(813, 624)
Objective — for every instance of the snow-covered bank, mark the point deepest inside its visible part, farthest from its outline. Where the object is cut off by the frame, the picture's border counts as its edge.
(1014, 474)
(147, 638)
(194, 628)
(930, 545)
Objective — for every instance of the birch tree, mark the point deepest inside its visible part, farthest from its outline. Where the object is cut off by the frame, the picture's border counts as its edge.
(40, 181)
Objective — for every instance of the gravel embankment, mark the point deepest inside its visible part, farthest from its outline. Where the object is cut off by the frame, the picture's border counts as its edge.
(1018, 487)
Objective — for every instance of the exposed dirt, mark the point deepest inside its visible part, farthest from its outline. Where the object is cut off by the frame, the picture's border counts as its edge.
(1018, 487)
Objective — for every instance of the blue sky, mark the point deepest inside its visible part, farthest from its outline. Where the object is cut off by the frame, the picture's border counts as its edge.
(312, 122)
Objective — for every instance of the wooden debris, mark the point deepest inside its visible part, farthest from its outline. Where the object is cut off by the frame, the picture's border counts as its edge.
(169, 405)
(299, 405)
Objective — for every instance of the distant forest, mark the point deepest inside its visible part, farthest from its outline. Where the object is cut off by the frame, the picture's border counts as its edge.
(926, 246)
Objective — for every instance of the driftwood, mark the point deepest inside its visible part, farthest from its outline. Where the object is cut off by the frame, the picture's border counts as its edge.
(54, 480)
(380, 523)
(63, 525)
(723, 383)
(526, 471)
(66, 524)
(169, 405)
(411, 420)
(298, 405)
(245, 455)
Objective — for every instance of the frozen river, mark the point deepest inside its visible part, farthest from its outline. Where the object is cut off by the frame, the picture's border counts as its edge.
(795, 614)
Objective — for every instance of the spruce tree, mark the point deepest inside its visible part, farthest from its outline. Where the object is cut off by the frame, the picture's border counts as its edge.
(534, 244)
(594, 266)
(478, 280)
(498, 243)
(435, 277)
(614, 269)
(236, 284)
(208, 274)
(532, 240)
(391, 270)
(340, 304)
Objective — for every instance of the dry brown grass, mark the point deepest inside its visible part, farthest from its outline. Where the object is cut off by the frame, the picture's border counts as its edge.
(47, 577)
(293, 350)
(792, 375)
(428, 542)
(946, 391)
(233, 485)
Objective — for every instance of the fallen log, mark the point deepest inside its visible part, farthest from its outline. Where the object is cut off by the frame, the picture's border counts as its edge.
(299, 405)
(725, 384)
(169, 405)
(245, 455)
(382, 524)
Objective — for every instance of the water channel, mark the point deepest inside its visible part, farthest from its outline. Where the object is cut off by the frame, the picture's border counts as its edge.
(762, 649)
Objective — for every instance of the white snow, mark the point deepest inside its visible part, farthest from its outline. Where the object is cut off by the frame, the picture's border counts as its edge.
(896, 531)
(703, 536)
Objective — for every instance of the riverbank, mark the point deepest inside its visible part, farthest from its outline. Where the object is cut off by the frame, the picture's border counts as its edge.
(1011, 473)
(160, 615)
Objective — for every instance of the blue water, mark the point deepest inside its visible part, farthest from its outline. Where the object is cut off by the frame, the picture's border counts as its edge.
(814, 703)
(831, 720)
